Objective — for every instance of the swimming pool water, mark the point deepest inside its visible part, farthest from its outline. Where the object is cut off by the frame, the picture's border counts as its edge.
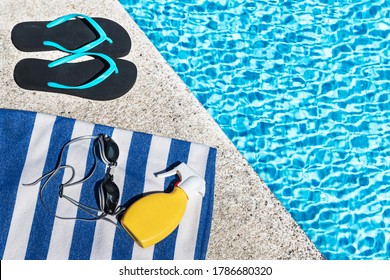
(301, 87)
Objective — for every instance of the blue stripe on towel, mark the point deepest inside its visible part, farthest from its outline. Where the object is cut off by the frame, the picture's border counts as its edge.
(42, 226)
(12, 128)
(207, 208)
(133, 187)
(84, 231)
(179, 151)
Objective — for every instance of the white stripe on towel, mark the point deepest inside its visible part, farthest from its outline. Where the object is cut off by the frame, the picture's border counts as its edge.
(157, 161)
(103, 240)
(61, 238)
(188, 228)
(26, 198)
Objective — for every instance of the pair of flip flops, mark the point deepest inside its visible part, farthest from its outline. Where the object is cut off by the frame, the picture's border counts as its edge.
(104, 77)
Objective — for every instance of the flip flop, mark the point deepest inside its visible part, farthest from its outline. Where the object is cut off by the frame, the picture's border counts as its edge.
(102, 78)
(73, 33)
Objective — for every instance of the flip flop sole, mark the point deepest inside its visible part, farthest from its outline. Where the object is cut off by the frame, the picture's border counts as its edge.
(73, 34)
(34, 74)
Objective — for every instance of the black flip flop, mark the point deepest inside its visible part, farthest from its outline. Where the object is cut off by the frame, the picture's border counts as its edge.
(73, 33)
(102, 78)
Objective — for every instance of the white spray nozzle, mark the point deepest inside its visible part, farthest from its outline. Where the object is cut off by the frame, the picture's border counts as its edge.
(190, 181)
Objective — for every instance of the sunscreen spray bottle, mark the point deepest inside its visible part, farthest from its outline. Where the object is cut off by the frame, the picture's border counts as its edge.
(153, 217)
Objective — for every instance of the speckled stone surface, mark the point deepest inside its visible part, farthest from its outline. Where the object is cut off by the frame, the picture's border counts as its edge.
(248, 221)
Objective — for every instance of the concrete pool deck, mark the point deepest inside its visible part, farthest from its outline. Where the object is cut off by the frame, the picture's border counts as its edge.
(248, 221)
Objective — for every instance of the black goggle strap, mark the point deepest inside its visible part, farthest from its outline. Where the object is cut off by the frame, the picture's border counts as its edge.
(51, 174)
(92, 171)
(59, 166)
(42, 189)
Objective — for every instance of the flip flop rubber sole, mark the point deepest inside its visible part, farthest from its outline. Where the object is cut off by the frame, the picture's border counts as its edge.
(72, 34)
(34, 74)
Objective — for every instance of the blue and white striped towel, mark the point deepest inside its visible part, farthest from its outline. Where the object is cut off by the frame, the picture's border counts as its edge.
(29, 147)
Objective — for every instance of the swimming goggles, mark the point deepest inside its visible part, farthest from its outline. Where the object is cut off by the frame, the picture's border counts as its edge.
(108, 191)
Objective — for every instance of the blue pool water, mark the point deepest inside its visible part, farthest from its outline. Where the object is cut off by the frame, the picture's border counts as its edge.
(301, 87)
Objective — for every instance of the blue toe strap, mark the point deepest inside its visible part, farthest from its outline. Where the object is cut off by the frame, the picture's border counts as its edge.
(102, 35)
(113, 68)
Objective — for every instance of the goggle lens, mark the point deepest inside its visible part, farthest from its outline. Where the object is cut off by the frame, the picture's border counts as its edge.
(111, 150)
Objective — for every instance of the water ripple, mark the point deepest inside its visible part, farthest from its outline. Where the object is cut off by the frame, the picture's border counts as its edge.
(302, 89)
